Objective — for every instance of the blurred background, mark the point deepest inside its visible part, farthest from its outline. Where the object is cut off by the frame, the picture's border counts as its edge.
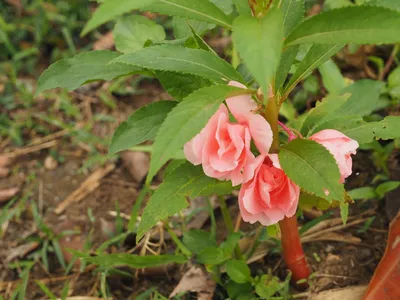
(59, 189)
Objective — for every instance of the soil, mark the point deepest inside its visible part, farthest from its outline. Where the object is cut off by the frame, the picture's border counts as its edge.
(335, 264)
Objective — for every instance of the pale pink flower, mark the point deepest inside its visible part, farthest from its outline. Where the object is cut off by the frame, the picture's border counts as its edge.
(270, 195)
(223, 147)
(340, 146)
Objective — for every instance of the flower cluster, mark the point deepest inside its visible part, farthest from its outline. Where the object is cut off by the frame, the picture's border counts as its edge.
(224, 149)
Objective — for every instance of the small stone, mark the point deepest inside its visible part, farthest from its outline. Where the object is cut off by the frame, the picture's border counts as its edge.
(332, 258)
(50, 163)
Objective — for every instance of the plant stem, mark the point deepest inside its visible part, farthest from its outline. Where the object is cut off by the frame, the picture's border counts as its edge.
(177, 241)
(293, 253)
(228, 222)
(291, 135)
(271, 114)
(225, 214)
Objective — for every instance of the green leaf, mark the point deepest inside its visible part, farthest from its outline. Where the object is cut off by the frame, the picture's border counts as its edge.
(317, 55)
(268, 286)
(322, 112)
(365, 89)
(352, 126)
(259, 43)
(386, 187)
(73, 72)
(182, 28)
(186, 120)
(332, 77)
(344, 212)
(212, 256)
(197, 240)
(242, 7)
(204, 10)
(293, 14)
(388, 128)
(225, 5)
(228, 246)
(285, 64)
(312, 167)
(392, 4)
(169, 198)
(308, 201)
(142, 125)
(132, 32)
(358, 24)
(238, 271)
(133, 261)
(179, 85)
(239, 291)
(182, 60)
(111, 9)
(364, 193)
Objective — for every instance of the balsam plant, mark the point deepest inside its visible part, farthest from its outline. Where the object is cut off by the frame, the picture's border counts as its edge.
(225, 115)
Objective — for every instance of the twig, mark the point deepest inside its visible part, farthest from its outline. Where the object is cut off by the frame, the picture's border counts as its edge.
(49, 137)
(389, 62)
(86, 188)
(30, 149)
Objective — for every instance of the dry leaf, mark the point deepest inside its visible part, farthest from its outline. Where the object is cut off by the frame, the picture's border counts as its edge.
(137, 163)
(197, 281)
(7, 194)
(21, 251)
(105, 42)
(348, 293)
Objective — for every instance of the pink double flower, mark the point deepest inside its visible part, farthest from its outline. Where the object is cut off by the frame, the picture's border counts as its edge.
(223, 148)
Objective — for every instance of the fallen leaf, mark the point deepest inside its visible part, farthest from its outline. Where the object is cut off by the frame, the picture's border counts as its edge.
(74, 242)
(385, 282)
(137, 163)
(196, 280)
(105, 42)
(348, 293)
(7, 194)
(21, 251)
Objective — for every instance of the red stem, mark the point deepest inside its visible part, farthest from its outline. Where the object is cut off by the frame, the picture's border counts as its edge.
(293, 253)
(291, 135)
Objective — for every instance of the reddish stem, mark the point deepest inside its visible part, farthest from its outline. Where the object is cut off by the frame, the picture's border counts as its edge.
(293, 253)
(291, 135)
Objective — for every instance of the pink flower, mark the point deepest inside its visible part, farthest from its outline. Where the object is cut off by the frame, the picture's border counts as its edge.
(340, 146)
(270, 195)
(223, 147)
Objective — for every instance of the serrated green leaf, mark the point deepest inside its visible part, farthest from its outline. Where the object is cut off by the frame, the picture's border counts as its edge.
(357, 24)
(182, 60)
(182, 29)
(238, 271)
(332, 78)
(317, 55)
(111, 9)
(142, 125)
(293, 14)
(392, 4)
(286, 62)
(130, 260)
(169, 198)
(364, 193)
(312, 167)
(364, 98)
(204, 10)
(344, 212)
(259, 43)
(389, 128)
(197, 240)
(323, 112)
(242, 7)
(353, 126)
(186, 120)
(179, 85)
(132, 32)
(73, 72)
(225, 5)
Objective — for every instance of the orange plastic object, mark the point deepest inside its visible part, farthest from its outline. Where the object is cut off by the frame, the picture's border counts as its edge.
(385, 283)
